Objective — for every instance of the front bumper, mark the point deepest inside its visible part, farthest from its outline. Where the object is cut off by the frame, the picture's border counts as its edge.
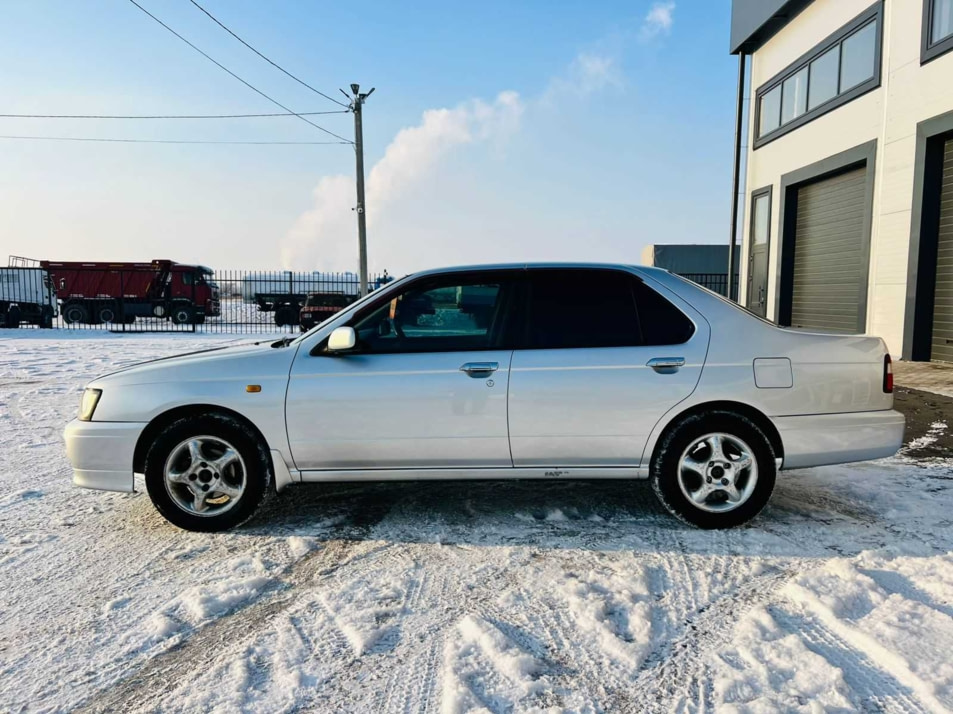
(825, 439)
(101, 453)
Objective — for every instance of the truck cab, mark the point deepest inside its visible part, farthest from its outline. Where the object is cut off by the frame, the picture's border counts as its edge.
(26, 296)
(195, 283)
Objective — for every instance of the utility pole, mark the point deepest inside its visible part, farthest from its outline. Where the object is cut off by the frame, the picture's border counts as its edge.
(356, 107)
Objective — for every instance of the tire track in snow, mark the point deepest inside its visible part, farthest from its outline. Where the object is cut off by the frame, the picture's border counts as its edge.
(877, 689)
(204, 645)
(866, 646)
(674, 675)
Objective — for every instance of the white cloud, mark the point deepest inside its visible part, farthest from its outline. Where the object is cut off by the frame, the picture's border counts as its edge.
(411, 188)
(658, 21)
(589, 72)
(413, 156)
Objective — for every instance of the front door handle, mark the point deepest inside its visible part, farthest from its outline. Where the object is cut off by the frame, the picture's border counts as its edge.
(666, 365)
(480, 369)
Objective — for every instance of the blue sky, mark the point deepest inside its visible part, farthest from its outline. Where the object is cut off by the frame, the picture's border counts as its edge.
(499, 131)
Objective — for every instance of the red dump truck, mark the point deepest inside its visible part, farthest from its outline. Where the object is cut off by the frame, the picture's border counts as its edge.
(96, 293)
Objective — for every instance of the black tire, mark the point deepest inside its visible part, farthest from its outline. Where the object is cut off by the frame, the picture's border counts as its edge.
(665, 465)
(199, 320)
(46, 318)
(235, 432)
(285, 316)
(12, 318)
(74, 313)
(181, 314)
(106, 313)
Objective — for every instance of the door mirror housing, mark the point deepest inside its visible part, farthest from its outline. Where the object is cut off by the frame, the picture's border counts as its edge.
(342, 339)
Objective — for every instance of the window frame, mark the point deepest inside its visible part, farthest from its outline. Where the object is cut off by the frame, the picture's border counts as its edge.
(872, 14)
(509, 279)
(929, 50)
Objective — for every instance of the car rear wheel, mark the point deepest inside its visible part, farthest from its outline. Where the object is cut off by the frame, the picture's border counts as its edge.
(207, 473)
(714, 470)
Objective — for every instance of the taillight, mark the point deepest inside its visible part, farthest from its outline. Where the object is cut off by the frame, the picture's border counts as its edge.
(888, 375)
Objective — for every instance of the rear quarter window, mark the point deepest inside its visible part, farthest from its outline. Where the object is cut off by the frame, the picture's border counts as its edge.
(662, 323)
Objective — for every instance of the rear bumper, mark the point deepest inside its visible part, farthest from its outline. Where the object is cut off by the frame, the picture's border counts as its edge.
(824, 439)
(101, 453)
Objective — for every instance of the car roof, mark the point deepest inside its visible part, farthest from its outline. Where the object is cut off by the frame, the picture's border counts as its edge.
(531, 266)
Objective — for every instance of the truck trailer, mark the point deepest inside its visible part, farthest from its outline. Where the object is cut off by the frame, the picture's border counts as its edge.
(103, 293)
(285, 293)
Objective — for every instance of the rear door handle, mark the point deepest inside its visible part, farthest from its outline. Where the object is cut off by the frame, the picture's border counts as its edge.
(666, 365)
(480, 369)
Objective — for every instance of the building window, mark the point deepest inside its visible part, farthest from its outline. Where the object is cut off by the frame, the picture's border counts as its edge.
(838, 70)
(771, 111)
(761, 219)
(794, 96)
(858, 54)
(824, 77)
(937, 29)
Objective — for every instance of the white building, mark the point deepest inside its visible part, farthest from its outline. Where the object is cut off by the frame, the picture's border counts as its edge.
(849, 173)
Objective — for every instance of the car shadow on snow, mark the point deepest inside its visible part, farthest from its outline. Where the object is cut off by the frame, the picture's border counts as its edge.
(593, 515)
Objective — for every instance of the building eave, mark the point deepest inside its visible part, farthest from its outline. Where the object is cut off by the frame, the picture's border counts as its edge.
(754, 22)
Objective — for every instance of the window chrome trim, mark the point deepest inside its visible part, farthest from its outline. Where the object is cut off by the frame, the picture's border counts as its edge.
(929, 50)
(872, 14)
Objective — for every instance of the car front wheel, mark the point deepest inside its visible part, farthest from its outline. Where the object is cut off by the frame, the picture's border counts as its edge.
(714, 470)
(207, 473)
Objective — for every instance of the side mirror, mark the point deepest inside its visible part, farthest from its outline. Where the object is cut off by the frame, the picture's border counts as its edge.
(342, 339)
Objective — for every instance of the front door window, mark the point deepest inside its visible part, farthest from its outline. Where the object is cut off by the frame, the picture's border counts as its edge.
(443, 316)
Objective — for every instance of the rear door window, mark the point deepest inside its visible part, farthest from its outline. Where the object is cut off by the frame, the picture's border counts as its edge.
(582, 308)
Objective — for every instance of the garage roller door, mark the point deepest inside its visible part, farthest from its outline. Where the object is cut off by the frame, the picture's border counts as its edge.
(942, 348)
(830, 264)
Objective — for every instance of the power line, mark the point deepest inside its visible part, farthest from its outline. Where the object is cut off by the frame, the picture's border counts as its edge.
(165, 116)
(175, 141)
(247, 84)
(273, 64)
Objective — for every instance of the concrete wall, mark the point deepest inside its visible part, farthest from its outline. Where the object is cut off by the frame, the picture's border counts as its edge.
(909, 93)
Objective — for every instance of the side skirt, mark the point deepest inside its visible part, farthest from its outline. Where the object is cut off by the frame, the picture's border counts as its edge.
(489, 474)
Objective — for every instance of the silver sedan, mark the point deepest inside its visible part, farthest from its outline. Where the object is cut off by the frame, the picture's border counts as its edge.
(497, 372)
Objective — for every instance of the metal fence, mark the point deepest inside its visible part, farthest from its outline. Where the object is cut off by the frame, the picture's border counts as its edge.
(166, 297)
(716, 282)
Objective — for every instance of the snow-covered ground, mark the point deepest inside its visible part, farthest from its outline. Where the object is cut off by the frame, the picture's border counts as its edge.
(458, 597)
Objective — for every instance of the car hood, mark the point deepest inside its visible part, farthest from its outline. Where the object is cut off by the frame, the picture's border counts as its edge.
(248, 360)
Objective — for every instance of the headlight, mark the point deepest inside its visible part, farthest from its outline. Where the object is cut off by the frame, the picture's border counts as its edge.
(88, 405)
